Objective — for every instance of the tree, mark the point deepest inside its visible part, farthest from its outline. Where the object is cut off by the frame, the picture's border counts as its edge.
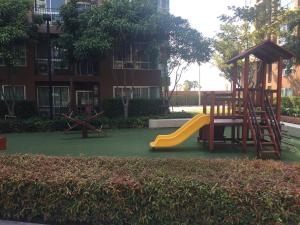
(290, 35)
(125, 22)
(16, 29)
(189, 85)
(186, 46)
(247, 27)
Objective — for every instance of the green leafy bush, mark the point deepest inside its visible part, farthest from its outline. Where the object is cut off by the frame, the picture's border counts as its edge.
(137, 107)
(291, 106)
(59, 124)
(63, 190)
(23, 109)
(40, 124)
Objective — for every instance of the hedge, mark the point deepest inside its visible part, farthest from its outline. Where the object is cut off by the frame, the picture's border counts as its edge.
(137, 107)
(59, 124)
(63, 190)
(291, 106)
(40, 124)
(23, 109)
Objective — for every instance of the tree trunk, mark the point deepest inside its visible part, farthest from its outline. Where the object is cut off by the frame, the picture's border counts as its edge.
(125, 102)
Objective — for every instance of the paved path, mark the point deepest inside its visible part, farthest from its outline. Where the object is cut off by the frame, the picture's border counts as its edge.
(4, 222)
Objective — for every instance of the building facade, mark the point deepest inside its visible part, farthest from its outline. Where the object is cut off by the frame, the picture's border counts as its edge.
(93, 81)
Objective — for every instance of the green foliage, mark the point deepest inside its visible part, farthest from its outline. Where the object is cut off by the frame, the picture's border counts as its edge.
(15, 27)
(246, 27)
(291, 106)
(64, 190)
(23, 109)
(39, 124)
(138, 107)
(189, 85)
(290, 35)
(184, 100)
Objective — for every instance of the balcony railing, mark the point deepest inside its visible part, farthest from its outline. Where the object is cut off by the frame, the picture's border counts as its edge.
(52, 12)
(56, 64)
(139, 65)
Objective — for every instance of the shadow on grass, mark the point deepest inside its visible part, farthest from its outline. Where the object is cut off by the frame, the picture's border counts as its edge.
(68, 137)
(202, 149)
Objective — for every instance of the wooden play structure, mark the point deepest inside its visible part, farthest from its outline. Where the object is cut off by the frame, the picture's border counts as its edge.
(84, 124)
(252, 110)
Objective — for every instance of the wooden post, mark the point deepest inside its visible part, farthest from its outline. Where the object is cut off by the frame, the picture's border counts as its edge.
(263, 85)
(279, 87)
(234, 82)
(204, 102)
(212, 125)
(234, 96)
(245, 101)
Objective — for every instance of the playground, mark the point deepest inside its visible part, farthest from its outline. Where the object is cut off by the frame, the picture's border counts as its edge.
(245, 122)
(124, 143)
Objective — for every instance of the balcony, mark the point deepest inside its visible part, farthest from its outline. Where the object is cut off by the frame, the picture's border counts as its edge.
(52, 12)
(56, 64)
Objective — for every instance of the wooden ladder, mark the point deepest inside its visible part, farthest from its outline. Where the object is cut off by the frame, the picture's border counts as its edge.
(262, 126)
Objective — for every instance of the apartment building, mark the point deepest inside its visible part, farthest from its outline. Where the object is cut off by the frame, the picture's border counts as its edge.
(93, 81)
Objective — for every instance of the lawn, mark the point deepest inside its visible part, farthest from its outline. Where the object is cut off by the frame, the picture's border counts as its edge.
(122, 143)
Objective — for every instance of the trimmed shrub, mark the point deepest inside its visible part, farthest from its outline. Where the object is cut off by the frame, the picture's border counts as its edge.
(3, 109)
(137, 107)
(63, 190)
(291, 106)
(40, 124)
(23, 109)
(59, 124)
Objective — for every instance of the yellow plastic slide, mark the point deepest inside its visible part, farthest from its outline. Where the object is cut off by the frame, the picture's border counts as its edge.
(182, 134)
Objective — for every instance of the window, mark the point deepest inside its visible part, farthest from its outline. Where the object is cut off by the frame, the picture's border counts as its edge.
(87, 67)
(286, 92)
(60, 97)
(154, 92)
(287, 4)
(269, 73)
(84, 98)
(50, 7)
(14, 92)
(288, 67)
(137, 92)
(132, 56)
(163, 5)
(19, 56)
(58, 61)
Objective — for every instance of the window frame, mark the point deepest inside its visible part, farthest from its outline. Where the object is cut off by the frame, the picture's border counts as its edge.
(84, 91)
(18, 85)
(137, 65)
(47, 106)
(132, 91)
(25, 57)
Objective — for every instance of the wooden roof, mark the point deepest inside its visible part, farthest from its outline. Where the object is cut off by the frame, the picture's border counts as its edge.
(268, 52)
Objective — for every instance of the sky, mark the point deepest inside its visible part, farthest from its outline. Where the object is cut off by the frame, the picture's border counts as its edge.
(203, 16)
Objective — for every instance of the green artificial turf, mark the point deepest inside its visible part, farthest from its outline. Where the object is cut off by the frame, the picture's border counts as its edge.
(123, 143)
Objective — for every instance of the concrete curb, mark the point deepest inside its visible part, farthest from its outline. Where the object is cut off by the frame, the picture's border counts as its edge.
(5, 222)
(167, 123)
(292, 129)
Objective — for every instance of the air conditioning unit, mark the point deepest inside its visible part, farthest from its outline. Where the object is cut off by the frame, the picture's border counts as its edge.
(42, 67)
